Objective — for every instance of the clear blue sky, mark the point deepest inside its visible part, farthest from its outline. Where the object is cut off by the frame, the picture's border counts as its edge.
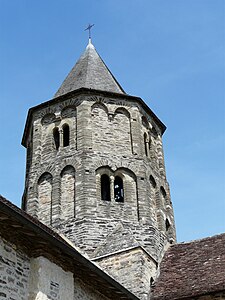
(170, 53)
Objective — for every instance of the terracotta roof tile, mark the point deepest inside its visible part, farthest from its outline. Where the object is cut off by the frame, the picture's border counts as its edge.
(192, 269)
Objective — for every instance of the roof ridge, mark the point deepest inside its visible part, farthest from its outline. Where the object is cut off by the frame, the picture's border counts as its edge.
(87, 49)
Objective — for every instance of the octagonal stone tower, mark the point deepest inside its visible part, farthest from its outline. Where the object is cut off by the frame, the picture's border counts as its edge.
(95, 171)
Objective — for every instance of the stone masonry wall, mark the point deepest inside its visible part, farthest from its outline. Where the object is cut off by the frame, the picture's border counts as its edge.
(107, 136)
(14, 272)
(49, 281)
(132, 268)
(24, 278)
(89, 234)
(104, 133)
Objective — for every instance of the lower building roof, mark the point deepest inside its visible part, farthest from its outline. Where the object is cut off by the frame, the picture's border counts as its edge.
(37, 239)
(192, 269)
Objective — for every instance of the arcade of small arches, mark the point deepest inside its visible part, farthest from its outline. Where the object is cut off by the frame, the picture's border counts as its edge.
(118, 186)
(162, 205)
(61, 128)
(115, 186)
(65, 140)
(66, 203)
(114, 128)
(148, 133)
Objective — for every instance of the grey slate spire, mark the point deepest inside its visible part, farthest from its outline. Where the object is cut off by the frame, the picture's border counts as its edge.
(90, 72)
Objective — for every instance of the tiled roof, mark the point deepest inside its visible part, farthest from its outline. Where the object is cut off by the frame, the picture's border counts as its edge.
(90, 72)
(192, 269)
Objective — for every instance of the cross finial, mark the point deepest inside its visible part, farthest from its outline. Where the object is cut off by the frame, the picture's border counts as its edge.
(89, 29)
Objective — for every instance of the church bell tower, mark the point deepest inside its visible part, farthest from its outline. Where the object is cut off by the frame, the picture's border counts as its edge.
(95, 172)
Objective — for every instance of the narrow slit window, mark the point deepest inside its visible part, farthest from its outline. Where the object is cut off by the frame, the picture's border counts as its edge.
(151, 281)
(56, 137)
(167, 225)
(105, 187)
(146, 144)
(66, 135)
(118, 189)
(163, 192)
(152, 181)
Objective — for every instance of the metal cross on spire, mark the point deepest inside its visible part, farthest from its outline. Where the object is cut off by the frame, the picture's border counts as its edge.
(89, 29)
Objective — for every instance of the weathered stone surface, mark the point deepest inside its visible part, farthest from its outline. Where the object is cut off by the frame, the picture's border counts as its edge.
(49, 281)
(109, 136)
(99, 140)
(14, 272)
(133, 268)
(25, 278)
(120, 238)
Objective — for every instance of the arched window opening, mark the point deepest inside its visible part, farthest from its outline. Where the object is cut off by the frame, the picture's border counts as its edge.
(167, 223)
(146, 144)
(163, 192)
(66, 135)
(56, 137)
(152, 181)
(105, 187)
(118, 189)
(151, 281)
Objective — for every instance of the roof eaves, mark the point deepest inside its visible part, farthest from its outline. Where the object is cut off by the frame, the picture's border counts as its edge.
(55, 239)
(123, 251)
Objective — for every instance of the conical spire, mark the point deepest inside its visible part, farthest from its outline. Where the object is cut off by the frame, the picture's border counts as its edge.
(90, 72)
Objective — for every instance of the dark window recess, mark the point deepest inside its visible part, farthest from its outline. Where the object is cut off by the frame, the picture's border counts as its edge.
(163, 192)
(56, 137)
(146, 146)
(151, 281)
(167, 224)
(152, 181)
(105, 187)
(118, 189)
(66, 135)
